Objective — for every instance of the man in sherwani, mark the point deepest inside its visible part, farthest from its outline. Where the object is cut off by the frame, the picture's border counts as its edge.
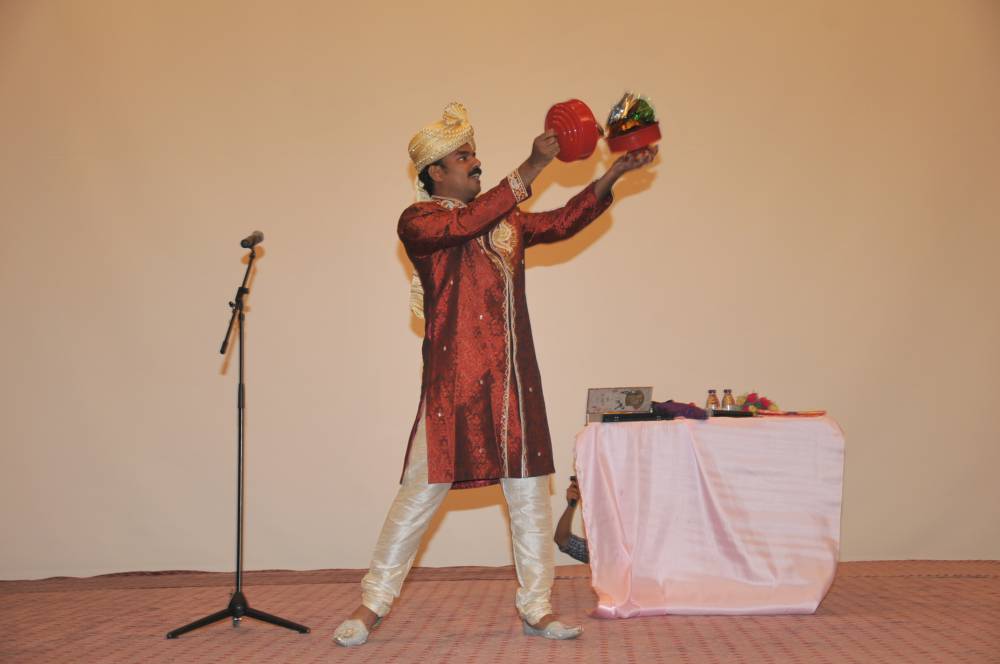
(481, 418)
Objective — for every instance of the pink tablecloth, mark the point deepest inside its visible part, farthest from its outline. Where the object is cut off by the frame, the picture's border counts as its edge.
(725, 516)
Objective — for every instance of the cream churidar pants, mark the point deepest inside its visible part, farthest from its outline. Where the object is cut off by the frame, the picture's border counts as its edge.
(411, 513)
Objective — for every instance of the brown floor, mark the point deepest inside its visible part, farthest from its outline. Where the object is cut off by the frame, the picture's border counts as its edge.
(889, 611)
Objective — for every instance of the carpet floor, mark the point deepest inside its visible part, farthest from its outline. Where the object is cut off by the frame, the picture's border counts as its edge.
(885, 611)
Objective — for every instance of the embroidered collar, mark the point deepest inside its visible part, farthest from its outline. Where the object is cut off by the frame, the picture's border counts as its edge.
(448, 203)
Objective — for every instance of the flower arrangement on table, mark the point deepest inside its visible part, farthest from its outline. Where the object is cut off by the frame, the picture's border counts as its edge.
(753, 402)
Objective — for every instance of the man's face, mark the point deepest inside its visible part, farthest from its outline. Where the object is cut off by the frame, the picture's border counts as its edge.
(458, 175)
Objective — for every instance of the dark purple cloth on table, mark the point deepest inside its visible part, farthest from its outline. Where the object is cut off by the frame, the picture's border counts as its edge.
(674, 409)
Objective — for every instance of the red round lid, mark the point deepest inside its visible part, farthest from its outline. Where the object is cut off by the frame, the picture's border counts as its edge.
(576, 129)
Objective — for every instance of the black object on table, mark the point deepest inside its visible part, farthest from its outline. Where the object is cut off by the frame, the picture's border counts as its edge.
(634, 417)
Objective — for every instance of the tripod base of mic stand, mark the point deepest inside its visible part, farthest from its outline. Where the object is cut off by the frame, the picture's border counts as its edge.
(238, 608)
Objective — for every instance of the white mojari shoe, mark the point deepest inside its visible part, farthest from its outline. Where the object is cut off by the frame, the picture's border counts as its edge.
(352, 633)
(554, 630)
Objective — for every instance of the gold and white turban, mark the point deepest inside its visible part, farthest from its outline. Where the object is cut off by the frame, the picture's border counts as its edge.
(439, 140)
(431, 143)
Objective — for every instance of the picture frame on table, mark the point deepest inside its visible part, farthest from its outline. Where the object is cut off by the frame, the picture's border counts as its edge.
(604, 400)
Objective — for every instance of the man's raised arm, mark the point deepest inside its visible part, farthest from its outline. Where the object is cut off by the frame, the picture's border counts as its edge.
(427, 227)
(586, 206)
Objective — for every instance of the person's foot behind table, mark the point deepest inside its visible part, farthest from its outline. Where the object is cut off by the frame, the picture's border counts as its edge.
(356, 629)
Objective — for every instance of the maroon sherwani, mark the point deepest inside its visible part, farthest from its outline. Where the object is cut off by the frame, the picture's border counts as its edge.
(481, 394)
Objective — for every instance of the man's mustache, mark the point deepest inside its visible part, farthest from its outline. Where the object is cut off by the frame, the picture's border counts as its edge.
(475, 171)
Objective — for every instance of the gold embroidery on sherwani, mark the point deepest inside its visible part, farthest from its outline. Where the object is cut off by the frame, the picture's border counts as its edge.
(502, 241)
(502, 238)
(448, 203)
(517, 186)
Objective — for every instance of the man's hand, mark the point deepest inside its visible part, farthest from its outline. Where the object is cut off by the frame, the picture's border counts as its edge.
(543, 150)
(635, 159)
(572, 493)
(627, 162)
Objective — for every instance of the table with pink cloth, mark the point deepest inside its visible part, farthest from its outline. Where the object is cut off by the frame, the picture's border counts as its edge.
(721, 516)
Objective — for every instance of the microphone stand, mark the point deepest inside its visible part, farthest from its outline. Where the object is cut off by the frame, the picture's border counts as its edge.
(238, 606)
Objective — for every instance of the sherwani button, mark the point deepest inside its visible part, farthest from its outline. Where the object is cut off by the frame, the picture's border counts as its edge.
(531, 389)
(439, 414)
(480, 316)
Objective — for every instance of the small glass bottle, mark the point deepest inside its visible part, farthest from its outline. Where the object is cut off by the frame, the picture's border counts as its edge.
(712, 403)
(728, 402)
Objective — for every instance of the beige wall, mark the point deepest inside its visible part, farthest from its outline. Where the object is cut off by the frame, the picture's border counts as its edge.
(821, 225)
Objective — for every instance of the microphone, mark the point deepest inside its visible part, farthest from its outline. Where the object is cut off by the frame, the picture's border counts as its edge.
(252, 240)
